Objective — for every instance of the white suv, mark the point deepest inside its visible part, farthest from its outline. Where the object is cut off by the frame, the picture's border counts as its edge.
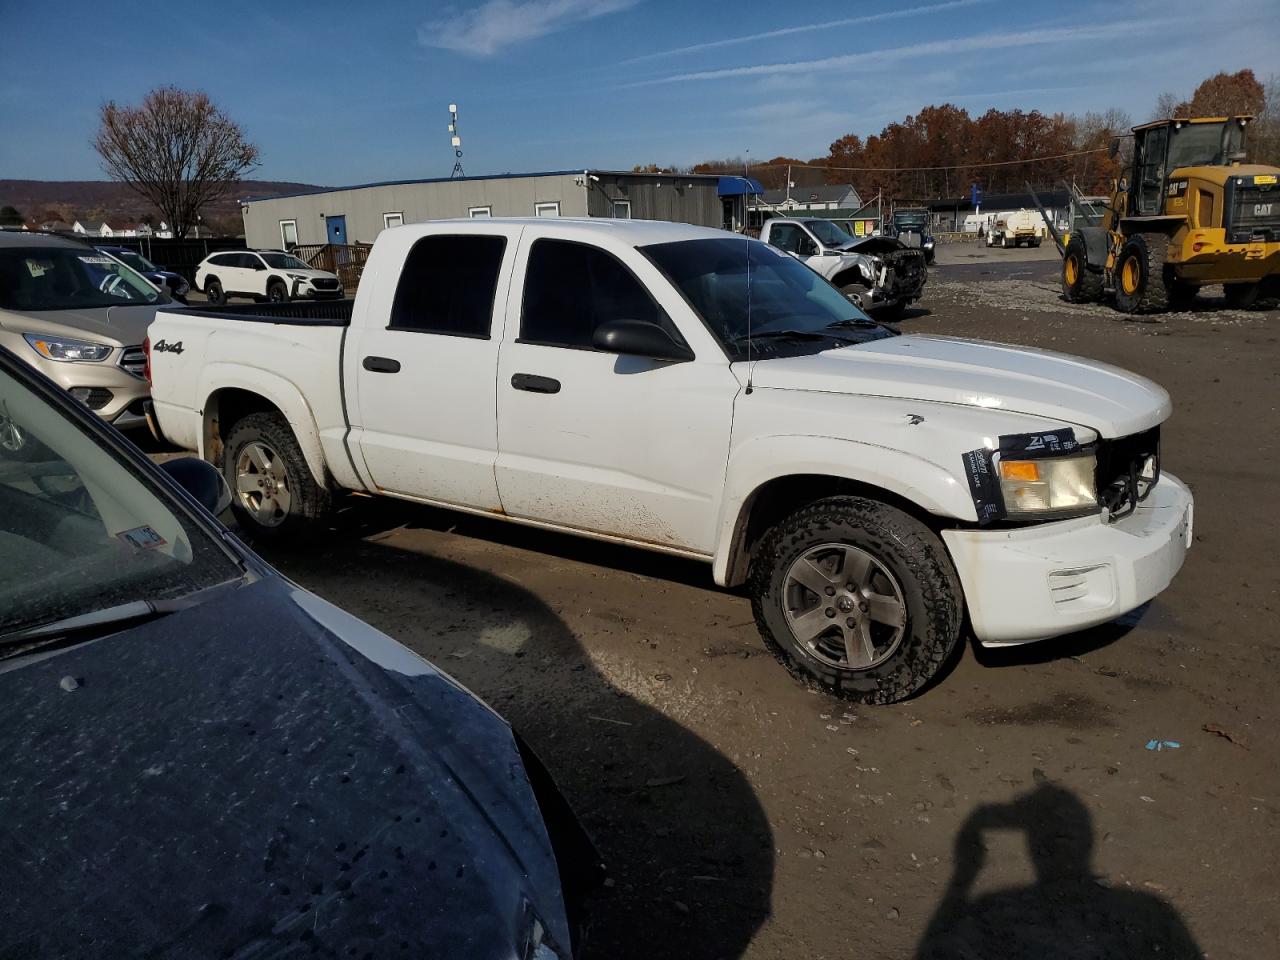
(264, 275)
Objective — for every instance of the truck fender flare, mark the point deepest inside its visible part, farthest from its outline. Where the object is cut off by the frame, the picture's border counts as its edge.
(1096, 243)
(275, 390)
(755, 463)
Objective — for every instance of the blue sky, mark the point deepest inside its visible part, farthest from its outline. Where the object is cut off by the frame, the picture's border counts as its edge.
(337, 93)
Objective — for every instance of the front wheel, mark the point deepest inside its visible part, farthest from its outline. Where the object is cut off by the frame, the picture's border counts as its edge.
(859, 597)
(214, 292)
(277, 292)
(274, 495)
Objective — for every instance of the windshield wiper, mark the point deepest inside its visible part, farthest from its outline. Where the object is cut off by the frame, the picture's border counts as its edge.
(853, 323)
(791, 335)
(88, 624)
(85, 626)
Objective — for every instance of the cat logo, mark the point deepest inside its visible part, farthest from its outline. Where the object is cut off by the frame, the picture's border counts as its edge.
(1262, 209)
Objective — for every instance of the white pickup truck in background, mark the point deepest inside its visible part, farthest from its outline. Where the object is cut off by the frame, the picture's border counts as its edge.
(880, 274)
(687, 390)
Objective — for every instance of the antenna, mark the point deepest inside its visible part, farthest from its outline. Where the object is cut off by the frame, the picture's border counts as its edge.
(751, 370)
(455, 141)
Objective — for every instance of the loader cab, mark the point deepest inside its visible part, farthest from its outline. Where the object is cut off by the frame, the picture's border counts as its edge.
(1167, 145)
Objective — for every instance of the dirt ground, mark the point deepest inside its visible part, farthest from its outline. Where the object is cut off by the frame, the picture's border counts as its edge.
(743, 815)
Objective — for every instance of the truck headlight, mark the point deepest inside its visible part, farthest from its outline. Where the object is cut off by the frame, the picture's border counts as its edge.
(1049, 485)
(61, 348)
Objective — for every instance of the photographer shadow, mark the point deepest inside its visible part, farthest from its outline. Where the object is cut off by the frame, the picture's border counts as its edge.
(1067, 912)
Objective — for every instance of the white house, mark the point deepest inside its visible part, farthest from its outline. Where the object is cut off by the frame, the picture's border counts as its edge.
(93, 228)
(826, 197)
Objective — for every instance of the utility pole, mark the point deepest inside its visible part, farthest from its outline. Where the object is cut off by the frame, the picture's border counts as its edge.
(788, 181)
(455, 141)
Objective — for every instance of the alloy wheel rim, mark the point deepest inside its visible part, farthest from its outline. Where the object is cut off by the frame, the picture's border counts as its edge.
(844, 606)
(262, 484)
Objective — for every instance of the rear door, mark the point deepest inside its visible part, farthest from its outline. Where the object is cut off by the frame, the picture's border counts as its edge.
(424, 359)
(616, 445)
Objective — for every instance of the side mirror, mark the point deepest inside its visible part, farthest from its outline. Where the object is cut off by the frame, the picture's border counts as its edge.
(202, 480)
(259, 265)
(639, 338)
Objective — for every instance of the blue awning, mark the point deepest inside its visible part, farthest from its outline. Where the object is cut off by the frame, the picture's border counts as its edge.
(739, 186)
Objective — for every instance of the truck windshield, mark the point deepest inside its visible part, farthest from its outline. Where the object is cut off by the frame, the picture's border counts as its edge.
(828, 233)
(735, 284)
(1203, 144)
(82, 531)
(69, 278)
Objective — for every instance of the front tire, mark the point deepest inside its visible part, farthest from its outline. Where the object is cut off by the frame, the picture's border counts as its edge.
(274, 495)
(859, 597)
(1079, 283)
(214, 293)
(277, 292)
(1141, 284)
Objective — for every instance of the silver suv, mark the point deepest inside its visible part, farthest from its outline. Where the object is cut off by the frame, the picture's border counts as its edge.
(79, 316)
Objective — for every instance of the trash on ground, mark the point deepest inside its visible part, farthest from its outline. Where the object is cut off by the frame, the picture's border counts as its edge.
(1163, 745)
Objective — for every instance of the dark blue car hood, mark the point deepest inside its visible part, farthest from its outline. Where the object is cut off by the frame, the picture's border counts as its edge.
(263, 775)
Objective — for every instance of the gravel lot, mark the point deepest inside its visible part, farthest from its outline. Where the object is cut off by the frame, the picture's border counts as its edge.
(743, 815)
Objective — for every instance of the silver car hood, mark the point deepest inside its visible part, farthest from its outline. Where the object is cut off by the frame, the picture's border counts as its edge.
(121, 325)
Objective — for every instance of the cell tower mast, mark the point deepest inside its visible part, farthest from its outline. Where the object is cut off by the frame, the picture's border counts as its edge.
(455, 141)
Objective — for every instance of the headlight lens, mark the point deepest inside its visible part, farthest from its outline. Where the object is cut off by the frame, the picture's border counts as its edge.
(60, 348)
(296, 276)
(1050, 485)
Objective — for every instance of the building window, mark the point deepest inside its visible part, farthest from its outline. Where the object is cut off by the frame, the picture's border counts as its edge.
(549, 209)
(390, 220)
(622, 209)
(480, 213)
(288, 234)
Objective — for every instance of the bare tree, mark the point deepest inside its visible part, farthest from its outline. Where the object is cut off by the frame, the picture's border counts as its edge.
(177, 150)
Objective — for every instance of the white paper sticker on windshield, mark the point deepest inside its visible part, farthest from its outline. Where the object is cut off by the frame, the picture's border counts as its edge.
(38, 268)
(95, 260)
(144, 538)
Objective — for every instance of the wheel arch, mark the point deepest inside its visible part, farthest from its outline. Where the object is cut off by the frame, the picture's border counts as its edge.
(760, 494)
(208, 279)
(236, 397)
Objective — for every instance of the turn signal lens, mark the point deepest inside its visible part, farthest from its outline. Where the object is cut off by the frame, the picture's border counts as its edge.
(1019, 470)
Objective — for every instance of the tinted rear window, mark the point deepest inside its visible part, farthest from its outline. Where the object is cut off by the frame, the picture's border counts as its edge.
(448, 285)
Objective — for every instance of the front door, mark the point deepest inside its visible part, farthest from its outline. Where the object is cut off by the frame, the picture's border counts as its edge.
(616, 445)
(423, 363)
(337, 229)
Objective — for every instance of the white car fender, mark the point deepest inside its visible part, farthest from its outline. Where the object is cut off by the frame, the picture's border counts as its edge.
(283, 394)
(762, 459)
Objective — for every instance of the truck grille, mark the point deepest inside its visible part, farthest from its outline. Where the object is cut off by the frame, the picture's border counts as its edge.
(909, 269)
(910, 238)
(134, 360)
(1128, 469)
(1254, 211)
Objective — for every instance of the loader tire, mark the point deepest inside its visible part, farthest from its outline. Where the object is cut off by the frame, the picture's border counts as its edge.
(1142, 281)
(1080, 284)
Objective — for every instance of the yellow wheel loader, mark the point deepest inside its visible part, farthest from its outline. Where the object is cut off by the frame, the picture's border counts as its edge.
(1189, 214)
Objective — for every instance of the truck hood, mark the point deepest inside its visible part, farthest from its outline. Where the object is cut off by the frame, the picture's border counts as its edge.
(261, 769)
(978, 374)
(122, 326)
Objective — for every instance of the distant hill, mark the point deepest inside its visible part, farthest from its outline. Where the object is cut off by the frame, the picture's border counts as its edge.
(108, 200)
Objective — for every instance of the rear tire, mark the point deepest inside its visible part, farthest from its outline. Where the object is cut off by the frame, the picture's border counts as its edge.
(273, 494)
(1141, 279)
(214, 292)
(1252, 296)
(1079, 283)
(901, 619)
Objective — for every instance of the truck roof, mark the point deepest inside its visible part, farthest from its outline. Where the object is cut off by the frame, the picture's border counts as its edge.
(637, 233)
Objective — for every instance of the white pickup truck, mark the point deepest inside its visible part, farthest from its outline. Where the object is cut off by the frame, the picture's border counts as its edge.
(690, 391)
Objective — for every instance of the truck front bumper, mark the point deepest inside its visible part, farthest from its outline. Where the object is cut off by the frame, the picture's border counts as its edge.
(1049, 579)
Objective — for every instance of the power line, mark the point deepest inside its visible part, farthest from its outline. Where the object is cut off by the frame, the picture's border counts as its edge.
(955, 166)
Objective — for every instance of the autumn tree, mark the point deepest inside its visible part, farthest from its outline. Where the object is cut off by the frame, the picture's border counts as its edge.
(1225, 95)
(177, 150)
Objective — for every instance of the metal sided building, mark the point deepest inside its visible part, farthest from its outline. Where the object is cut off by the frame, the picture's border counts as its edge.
(358, 214)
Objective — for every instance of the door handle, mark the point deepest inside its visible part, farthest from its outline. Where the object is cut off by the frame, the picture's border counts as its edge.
(381, 365)
(534, 383)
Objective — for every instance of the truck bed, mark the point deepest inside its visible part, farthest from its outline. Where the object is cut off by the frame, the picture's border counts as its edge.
(316, 313)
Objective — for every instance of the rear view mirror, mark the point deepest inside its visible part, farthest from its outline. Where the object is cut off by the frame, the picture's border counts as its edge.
(639, 338)
(202, 480)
